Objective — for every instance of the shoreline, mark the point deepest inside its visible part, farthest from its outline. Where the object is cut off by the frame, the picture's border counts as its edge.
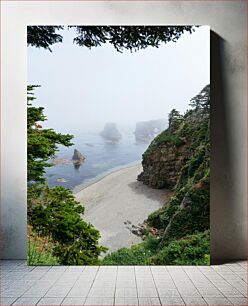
(101, 176)
(117, 204)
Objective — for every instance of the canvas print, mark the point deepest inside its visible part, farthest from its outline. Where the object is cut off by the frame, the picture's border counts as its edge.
(118, 145)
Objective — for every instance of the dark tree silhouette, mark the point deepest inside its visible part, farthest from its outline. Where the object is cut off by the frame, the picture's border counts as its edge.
(202, 100)
(43, 36)
(174, 118)
(132, 38)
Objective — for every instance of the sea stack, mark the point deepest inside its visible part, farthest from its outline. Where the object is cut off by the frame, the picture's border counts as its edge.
(146, 130)
(110, 132)
(77, 157)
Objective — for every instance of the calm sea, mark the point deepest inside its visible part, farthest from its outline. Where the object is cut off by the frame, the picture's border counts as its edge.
(101, 158)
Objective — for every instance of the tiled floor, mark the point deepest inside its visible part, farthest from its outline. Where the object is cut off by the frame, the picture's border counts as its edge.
(106, 285)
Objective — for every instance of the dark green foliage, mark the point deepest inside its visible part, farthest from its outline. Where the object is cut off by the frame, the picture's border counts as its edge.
(42, 143)
(43, 36)
(202, 100)
(54, 213)
(190, 250)
(132, 38)
(137, 255)
(166, 137)
(174, 119)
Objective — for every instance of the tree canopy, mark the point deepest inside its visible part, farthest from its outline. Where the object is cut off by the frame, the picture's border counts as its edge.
(174, 118)
(42, 143)
(202, 100)
(43, 36)
(132, 38)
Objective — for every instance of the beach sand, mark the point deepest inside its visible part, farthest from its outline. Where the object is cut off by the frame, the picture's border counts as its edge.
(119, 198)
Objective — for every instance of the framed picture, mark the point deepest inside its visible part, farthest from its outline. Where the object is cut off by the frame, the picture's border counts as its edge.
(118, 145)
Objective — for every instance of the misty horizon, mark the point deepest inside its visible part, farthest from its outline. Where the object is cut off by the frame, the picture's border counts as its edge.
(81, 89)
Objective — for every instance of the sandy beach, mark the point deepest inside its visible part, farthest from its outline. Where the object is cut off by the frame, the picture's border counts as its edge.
(118, 202)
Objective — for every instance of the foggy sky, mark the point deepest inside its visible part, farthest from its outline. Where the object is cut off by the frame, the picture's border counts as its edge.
(81, 89)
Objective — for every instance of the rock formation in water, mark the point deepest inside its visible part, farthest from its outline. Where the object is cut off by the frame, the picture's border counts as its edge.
(147, 130)
(110, 132)
(60, 161)
(77, 158)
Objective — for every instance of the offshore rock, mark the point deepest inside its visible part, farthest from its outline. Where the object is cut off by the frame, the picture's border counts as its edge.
(110, 132)
(147, 130)
(77, 157)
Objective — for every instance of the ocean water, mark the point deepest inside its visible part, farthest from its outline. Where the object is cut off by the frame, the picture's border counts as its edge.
(101, 158)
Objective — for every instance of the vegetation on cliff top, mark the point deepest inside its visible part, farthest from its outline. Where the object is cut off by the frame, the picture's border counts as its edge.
(59, 234)
(182, 224)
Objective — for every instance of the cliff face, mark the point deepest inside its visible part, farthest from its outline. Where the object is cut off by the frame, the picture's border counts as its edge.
(178, 159)
(170, 150)
(161, 167)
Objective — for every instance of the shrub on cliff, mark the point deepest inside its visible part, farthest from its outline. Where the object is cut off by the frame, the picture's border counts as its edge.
(54, 213)
(189, 250)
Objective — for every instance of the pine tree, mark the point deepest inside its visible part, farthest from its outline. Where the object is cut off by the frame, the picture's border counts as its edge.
(42, 144)
(202, 100)
(174, 118)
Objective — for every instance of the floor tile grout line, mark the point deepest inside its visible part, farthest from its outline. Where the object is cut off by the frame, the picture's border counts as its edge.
(135, 277)
(21, 296)
(155, 285)
(87, 295)
(230, 283)
(73, 285)
(213, 285)
(175, 286)
(117, 270)
(216, 272)
(236, 304)
(237, 273)
(183, 267)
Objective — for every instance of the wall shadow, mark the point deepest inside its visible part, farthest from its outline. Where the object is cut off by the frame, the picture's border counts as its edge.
(221, 199)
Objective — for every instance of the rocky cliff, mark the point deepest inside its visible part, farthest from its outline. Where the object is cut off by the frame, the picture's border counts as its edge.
(161, 167)
(170, 151)
(178, 159)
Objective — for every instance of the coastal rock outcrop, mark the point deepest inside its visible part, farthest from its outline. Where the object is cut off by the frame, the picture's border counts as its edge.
(147, 130)
(110, 132)
(161, 168)
(170, 151)
(60, 161)
(77, 158)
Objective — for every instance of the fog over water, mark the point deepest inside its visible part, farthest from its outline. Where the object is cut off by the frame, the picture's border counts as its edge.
(83, 89)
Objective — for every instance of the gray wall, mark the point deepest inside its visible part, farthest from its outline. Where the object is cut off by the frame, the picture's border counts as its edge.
(229, 96)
